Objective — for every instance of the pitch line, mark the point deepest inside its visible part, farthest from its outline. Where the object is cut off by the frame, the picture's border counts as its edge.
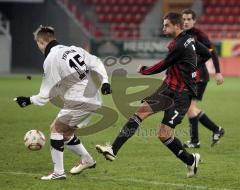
(132, 180)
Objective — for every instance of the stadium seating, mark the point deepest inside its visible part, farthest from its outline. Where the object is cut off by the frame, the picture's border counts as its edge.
(88, 24)
(122, 16)
(221, 18)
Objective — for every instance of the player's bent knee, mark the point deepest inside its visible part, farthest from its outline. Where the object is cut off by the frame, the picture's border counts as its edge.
(193, 112)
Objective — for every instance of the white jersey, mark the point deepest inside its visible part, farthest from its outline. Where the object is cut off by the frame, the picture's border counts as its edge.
(67, 75)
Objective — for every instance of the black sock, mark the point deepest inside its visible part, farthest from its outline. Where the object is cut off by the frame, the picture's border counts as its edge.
(203, 118)
(176, 147)
(127, 132)
(194, 129)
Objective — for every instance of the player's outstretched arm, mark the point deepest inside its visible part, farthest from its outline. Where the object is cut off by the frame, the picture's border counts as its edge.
(22, 101)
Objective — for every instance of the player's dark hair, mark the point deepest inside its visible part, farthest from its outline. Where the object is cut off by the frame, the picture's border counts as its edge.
(174, 18)
(190, 11)
(46, 33)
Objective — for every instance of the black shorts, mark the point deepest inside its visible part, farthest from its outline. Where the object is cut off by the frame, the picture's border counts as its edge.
(178, 104)
(201, 86)
(158, 101)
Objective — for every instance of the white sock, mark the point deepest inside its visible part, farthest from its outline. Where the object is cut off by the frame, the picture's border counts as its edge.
(57, 156)
(80, 150)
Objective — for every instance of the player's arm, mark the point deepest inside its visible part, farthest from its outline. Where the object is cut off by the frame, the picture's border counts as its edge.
(205, 40)
(202, 52)
(218, 76)
(47, 84)
(95, 64)
(171, 58)
(43, 97)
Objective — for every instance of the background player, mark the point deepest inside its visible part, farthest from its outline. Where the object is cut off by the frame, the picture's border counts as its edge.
(194, 113)
(179, 86)
(67, 75)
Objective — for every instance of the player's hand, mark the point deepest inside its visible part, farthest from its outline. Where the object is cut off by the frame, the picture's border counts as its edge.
(106, 89)
(22, 101)
(141, 68)
(219, 78)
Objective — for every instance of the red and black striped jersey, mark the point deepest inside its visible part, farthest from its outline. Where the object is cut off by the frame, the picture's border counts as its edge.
(202, 72)
(181, 62)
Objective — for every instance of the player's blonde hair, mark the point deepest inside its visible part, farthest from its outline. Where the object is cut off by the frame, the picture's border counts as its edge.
(45, 33)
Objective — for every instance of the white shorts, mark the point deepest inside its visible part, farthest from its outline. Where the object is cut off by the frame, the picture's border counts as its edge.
(74, 118)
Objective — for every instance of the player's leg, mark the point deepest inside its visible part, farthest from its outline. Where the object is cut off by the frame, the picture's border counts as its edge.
(128, 130)
(77, 119)
(73, 143)
(152, 104)
(195, 115)
(192, 114)
(172, 117)
(57, 147)
(218, 131)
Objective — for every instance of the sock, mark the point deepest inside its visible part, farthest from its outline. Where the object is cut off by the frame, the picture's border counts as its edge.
(176, 147)
(127, 132)
(203, 118)
(57, 148)
(77, 147)
(194, 129)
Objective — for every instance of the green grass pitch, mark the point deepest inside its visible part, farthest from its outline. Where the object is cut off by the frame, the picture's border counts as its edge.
(143, 163)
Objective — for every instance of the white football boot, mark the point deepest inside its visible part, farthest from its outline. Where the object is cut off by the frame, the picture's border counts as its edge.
(192, 170)
(82, 166)
(106, 151)
(54, 176)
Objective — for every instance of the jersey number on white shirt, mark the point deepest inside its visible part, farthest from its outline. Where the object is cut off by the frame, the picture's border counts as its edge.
(79, 66)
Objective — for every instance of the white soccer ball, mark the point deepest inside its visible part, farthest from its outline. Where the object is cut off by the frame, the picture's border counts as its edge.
(34, 139)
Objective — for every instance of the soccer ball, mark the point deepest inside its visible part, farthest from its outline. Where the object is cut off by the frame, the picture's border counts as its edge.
(34, 140)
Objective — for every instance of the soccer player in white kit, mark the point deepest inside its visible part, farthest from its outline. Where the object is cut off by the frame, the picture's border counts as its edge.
(67, 77)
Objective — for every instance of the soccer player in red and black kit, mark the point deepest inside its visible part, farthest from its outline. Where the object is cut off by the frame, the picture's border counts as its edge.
(179, 87)
(194, 113)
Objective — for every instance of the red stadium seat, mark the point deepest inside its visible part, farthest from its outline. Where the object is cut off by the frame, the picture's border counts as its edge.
(109, 17)
(118, 18)
(236, 10)
(217, 10)
(202, 19)
(212, 2)
(99, 9)
(102, 18)
(233, 2)
(220, 20)
(209, 10)
(230, 19)
(226, 10)
(238, 35)
(137, 18)
(125, 9)
(143, 9)
(134, 9)
(107, 9)
(139, 2)
(128, 18)
(116, 9)
(211, 19)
